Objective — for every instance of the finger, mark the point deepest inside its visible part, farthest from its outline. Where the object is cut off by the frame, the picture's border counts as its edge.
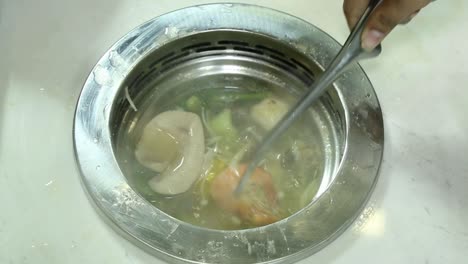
(386, 17)
(408, 19)
(353, 9)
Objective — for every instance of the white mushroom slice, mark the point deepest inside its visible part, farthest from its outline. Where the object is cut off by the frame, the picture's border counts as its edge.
(157, 147)
(173, 144)
(269, 112)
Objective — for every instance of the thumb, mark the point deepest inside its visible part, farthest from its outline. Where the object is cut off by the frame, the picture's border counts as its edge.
(385, 18)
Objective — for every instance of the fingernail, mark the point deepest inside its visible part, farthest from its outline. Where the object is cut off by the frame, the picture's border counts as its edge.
(371, 39)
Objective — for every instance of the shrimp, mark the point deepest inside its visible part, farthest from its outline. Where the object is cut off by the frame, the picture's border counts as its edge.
(257, 204)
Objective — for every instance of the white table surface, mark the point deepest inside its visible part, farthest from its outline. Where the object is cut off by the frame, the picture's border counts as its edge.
(418, 213)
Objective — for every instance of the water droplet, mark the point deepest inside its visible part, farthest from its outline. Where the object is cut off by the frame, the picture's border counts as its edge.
(49, 183)
(228, 5)
(42, 89)
(115, 59)
(171, 32)
(102, 75)
(95, 140)
(98, 167)
(368, 95)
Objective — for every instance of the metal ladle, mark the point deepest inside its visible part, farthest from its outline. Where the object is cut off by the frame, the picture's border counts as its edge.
(351, 51)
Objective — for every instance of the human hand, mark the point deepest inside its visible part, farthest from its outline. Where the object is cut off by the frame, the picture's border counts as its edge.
(386, 16)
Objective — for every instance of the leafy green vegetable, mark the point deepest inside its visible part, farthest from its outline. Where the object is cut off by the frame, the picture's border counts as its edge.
(220, 98)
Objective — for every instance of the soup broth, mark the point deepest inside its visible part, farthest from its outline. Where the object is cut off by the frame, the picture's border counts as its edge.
(233, 119)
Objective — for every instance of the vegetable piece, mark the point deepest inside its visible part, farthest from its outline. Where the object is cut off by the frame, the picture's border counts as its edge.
(257, 204)
(172, 144)
(204, 183)
(219, 98)
(194, 104)
(222, 125)
(240, 154)
(269, 112)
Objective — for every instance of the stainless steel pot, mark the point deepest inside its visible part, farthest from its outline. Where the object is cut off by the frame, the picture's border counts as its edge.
(234, 42)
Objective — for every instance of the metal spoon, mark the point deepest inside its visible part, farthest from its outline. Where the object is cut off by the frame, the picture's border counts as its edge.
(349, 53)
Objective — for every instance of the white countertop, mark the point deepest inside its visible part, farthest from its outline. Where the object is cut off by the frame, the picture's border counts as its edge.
(417, 214)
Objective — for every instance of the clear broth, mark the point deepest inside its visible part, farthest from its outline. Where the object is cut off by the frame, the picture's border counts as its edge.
(296, 173)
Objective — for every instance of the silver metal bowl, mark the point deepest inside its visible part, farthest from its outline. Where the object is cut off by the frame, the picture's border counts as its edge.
(162, 59)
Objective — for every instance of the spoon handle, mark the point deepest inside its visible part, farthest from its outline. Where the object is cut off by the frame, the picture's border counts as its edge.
(350, 52)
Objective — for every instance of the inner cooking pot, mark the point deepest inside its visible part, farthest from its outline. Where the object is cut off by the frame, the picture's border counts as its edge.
(224, 60)
(211, 47)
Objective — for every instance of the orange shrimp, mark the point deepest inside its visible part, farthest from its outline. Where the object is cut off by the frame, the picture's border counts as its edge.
(257, 204)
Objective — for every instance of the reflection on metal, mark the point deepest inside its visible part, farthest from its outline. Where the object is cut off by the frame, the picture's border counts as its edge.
(371, 222)
(302, 51)
(375, 226)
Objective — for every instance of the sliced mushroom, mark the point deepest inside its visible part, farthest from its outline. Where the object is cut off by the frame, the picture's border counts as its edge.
(269, 112)
(172, 144)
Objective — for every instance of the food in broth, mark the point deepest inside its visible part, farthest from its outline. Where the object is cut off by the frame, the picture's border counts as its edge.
(196, 151)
